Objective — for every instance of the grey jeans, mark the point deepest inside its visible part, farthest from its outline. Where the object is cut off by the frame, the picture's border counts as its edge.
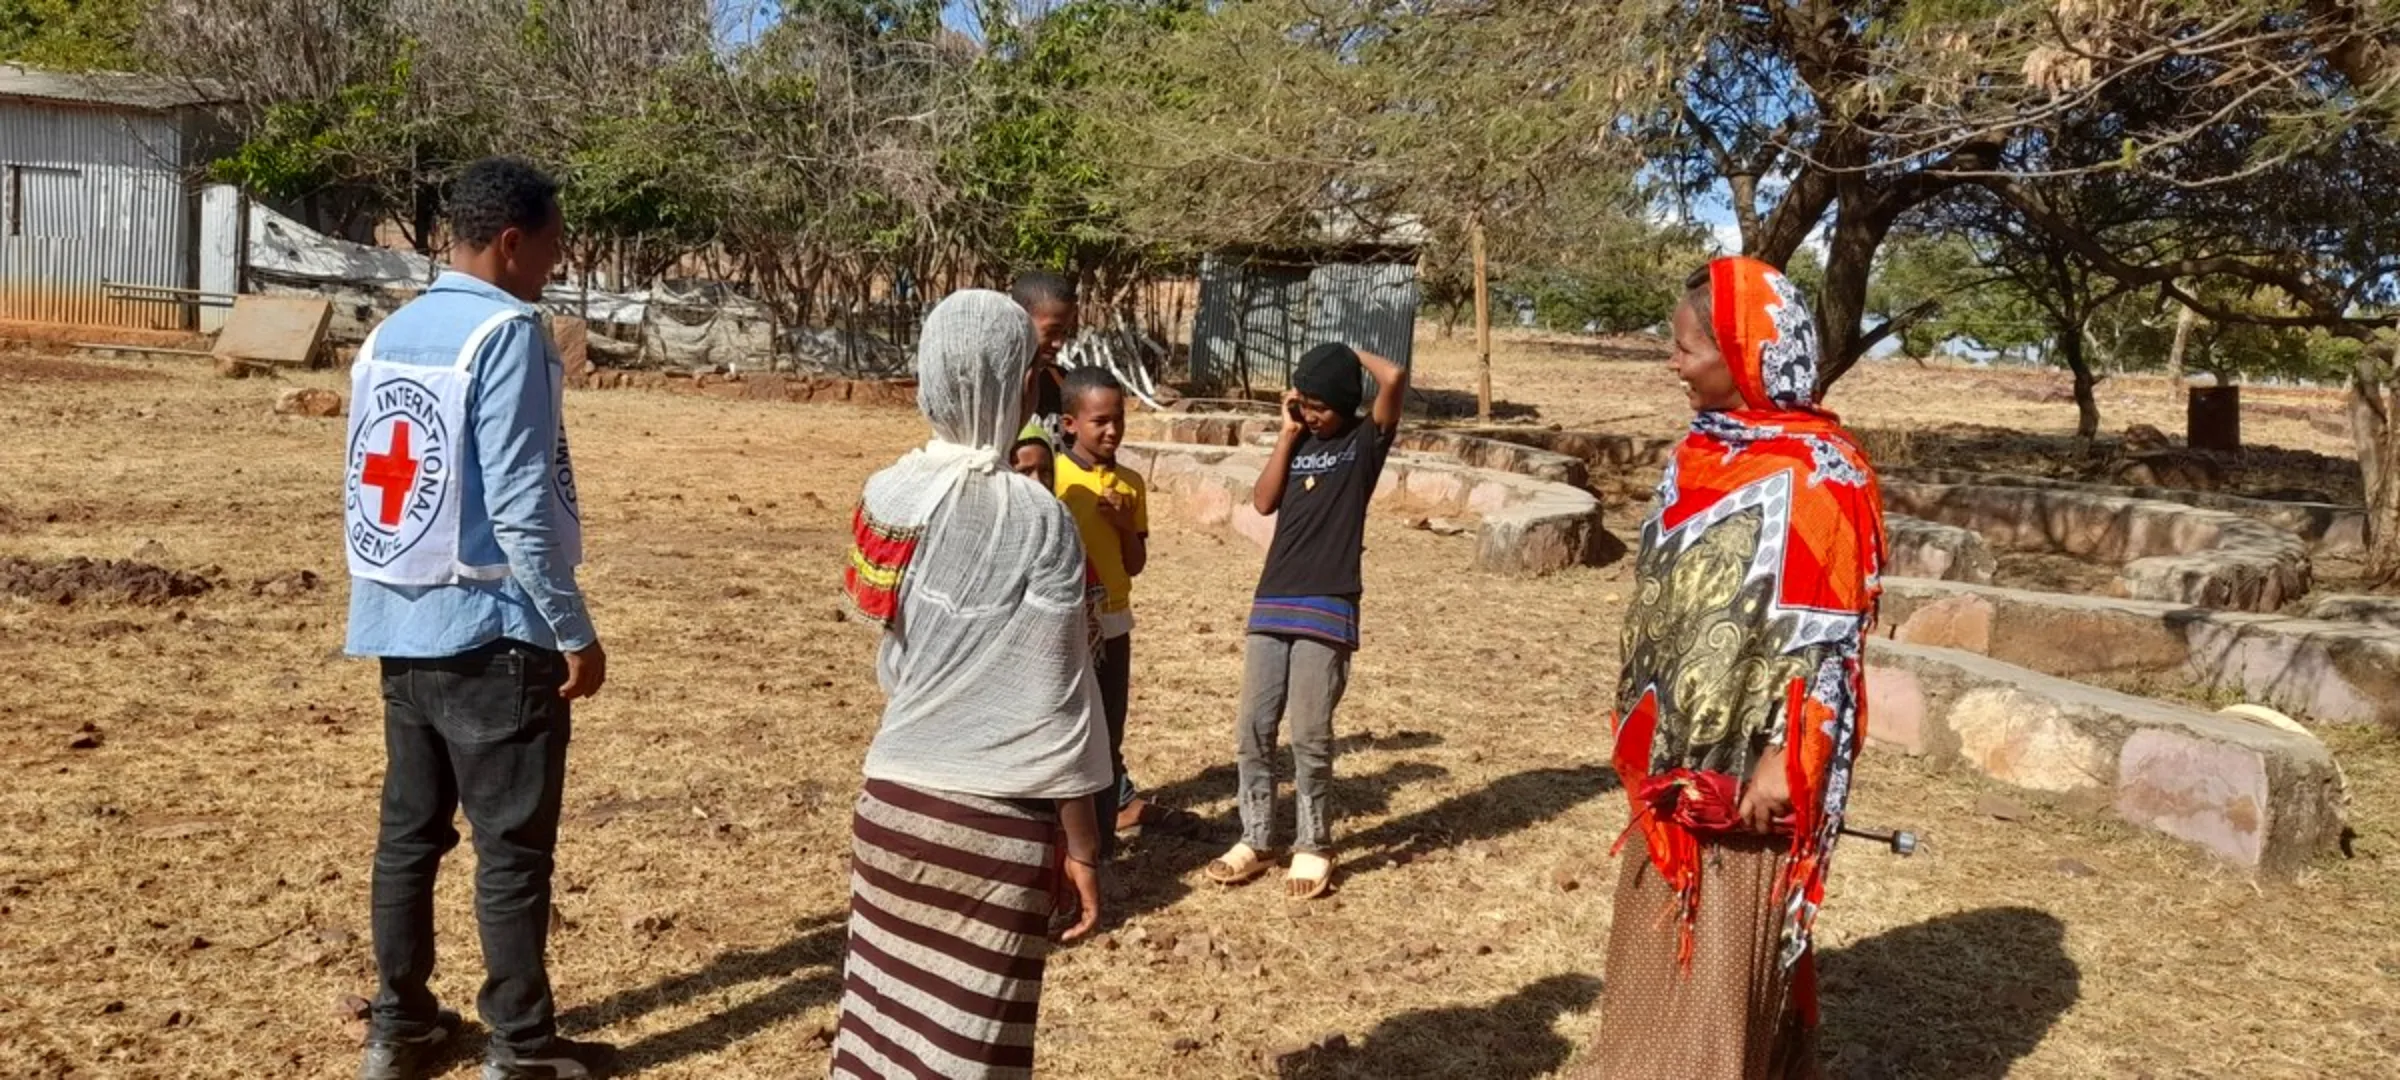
(1300, 679)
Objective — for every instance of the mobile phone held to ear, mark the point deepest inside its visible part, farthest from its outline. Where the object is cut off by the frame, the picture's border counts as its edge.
(1293, 408)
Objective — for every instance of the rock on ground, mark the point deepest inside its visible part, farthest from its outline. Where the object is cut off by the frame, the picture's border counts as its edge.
(308, 401)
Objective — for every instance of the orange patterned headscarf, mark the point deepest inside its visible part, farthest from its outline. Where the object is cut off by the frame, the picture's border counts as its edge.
(1765, 334)
(1758, 575)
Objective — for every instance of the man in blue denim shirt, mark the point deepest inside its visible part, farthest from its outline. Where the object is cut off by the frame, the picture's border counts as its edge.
(479, 665)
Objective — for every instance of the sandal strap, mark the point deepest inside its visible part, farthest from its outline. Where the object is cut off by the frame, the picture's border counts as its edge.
(1242, 858)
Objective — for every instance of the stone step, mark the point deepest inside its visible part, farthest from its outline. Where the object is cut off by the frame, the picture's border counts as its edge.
(2327, 672)
(2165, 551)
(1524, 525)
(2260, 797)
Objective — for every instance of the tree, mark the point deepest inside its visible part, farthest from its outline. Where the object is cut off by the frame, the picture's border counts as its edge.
(1284, 122)
(2274, 118)
(1038, 192)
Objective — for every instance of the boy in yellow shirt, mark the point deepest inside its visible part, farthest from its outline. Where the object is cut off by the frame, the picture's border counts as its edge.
(1112, 512)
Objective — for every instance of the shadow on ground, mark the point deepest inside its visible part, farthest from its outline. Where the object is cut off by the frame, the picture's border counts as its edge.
(1510, 804)
(1960, 997)
(806, 972)
(1157, 870)
(1513, 1038)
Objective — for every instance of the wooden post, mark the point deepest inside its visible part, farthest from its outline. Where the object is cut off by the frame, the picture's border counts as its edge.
(1483, 327)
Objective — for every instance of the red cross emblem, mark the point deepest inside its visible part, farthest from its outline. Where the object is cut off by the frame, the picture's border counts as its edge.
(393, 472)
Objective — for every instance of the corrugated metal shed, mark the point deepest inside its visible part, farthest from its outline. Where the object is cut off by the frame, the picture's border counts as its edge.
(93, 190)
(1257, 316)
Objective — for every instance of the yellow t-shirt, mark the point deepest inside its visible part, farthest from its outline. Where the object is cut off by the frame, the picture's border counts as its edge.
(1080, 489)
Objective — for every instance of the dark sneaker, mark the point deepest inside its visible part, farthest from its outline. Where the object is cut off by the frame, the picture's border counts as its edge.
(561, 1059)
(390, 1058)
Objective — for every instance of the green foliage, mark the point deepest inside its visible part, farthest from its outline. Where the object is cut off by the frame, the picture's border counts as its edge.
(648, 172)
(1597, 305)
(1974, 309)
(1626, 278)
(1031, 154)
(72, 35)
(365, 131)
(2139, 334)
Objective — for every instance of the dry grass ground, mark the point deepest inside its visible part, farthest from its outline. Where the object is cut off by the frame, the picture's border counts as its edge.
(188, 896)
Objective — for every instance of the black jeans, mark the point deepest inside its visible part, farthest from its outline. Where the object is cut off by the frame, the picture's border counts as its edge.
(1113, 666)
(484, 730)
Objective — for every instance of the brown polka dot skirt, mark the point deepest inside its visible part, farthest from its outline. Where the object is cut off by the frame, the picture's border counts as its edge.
(1728, 1018)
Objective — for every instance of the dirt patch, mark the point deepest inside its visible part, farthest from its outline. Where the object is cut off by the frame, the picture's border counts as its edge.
(66, 582)
(33, 367)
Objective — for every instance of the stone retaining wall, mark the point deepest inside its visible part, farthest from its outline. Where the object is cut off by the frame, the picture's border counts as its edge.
(1499, 455)
(755, 387)
(2260, 797)
(2382, 612)
(1600, 452)
(2167, 551)
(1201, 429)
(2330, 672)
(2327, 527)
(1925, 549)
(1245, 429)
(1526, 526)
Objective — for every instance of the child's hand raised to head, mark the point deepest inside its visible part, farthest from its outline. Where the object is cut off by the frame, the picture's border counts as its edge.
(1292, 424)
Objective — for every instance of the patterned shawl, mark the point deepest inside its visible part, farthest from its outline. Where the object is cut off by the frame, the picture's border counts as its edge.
(1757, 580)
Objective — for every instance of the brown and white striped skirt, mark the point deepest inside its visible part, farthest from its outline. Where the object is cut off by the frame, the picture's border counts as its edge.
(949, 917)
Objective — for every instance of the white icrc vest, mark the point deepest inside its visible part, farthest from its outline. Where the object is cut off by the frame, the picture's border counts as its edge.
(403, 521)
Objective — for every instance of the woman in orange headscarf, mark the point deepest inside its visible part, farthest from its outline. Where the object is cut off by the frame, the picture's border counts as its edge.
(1742, 702)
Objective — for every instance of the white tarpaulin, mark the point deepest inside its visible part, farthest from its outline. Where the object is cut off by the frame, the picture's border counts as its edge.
(285, 248)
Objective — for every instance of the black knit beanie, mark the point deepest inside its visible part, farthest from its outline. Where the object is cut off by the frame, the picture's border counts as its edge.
(1330, 373)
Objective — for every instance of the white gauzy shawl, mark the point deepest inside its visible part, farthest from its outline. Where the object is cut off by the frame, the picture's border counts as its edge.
(986, 661)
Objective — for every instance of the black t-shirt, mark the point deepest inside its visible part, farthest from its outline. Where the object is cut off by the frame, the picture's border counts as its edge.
(1322, 525)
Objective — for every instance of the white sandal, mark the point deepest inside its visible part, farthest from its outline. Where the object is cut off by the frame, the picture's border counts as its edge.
(1237, 866)
(1310, 876)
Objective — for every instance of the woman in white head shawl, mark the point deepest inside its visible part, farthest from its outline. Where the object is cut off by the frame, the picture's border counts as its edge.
(976, 802)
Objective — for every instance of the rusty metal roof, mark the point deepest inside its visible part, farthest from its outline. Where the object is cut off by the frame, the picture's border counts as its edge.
(150, 93)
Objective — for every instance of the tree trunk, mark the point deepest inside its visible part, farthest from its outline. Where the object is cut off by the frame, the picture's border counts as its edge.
(1483, 328)
(2373, 399)
(1842, 310)
(2087, 406)
(2184, 319)
(1744, 188)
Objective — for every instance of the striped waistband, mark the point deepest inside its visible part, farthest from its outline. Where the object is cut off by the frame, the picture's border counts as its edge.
(1332, 619)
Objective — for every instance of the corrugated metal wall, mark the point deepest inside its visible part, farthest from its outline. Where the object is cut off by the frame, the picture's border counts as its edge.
(91, 195)
(1372, 307)
(1255, 319)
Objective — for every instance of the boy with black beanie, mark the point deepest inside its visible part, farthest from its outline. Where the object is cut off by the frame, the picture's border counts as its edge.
(1304, 616)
